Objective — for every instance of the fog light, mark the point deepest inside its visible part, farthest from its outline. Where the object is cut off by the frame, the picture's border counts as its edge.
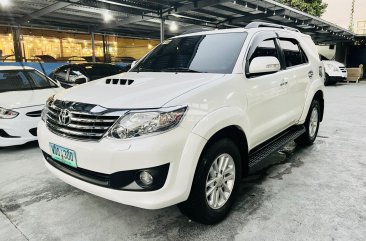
(146, 178)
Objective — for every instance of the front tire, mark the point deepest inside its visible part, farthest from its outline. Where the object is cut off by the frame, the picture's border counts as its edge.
(215, 184)
(311, 124)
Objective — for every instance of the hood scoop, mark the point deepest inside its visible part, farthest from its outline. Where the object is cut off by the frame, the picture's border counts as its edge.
(119, 81)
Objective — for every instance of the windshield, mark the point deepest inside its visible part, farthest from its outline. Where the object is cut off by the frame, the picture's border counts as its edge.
(12, 80)
(213, 53)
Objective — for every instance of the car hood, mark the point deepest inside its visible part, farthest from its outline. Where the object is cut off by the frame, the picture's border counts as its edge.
(148, 90)
(332, 62)
(25, 98)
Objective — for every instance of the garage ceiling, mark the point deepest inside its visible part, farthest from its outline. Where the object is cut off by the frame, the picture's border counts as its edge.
(141, 18)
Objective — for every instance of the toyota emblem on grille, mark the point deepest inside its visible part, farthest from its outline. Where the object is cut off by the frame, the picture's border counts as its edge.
(64, 117)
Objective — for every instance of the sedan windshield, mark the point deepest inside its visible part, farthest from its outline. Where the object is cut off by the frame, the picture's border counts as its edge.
(212, 53)
(13, 80)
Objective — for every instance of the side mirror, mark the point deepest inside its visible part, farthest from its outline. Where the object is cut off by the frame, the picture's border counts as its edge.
(133, 64)
(266, 64)
(81, 80)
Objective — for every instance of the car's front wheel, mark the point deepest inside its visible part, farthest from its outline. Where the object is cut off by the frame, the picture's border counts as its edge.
(215, 183)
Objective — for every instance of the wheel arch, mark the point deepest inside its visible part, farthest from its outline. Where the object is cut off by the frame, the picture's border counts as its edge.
(238, 136)
(319, 96)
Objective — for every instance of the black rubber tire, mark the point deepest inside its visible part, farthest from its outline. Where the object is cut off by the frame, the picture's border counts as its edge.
(196, 207)
(305, 139)
(327, 80)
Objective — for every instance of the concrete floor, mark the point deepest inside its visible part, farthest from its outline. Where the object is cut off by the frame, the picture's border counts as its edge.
(317, 193)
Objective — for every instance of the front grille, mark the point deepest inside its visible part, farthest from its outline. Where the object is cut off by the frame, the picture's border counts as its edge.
(36, 113)
(343, 69)
(82, 125)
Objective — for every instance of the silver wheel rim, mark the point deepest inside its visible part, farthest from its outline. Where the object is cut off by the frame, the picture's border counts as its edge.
(220, 181)
(313, 123)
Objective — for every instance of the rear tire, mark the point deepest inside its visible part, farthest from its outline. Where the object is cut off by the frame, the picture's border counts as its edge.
(215, 183)
(311, 124)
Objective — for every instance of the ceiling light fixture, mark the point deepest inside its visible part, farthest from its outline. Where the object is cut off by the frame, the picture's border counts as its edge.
(5, 3)
(173, 27)
(107, 16)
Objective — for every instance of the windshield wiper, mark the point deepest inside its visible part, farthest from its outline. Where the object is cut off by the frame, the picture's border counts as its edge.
(143, 69)
(180, 69)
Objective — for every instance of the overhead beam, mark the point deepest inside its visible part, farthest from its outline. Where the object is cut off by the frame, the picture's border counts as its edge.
(171, 10)
(46, 10)
(195, 5)
(250, 17)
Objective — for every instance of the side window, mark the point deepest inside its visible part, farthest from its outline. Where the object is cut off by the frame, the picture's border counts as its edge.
(40, 81)
(266, 48)
(12, 80)
(293, 53)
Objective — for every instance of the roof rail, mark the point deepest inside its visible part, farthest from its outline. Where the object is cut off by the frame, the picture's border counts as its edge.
(196, 30)
(269, 25)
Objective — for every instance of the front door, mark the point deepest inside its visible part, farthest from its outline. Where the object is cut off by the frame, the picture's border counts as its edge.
(266, 96)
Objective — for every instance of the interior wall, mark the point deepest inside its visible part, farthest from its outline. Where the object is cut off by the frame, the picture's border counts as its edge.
(356, 56)
(135, 48)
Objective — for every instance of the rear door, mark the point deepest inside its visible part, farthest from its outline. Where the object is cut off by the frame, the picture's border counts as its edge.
(297, 75)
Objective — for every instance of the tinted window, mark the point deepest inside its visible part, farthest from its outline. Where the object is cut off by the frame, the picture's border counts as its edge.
(40, 81)
(215, 53)
(14, 80)
(293, 53)
(265, 48)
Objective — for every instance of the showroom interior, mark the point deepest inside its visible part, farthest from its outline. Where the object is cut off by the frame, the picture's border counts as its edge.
(312, 193)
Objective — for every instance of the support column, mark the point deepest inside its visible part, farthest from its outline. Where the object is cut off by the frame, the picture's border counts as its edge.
(104, 48)
(61, 48)
(162, 29)
(93, 46)
(17, 44)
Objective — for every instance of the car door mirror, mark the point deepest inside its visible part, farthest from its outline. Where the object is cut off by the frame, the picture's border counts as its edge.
(81, 80)
(263, 65)
(133, 64)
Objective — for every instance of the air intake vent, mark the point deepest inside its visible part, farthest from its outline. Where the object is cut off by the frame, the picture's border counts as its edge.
(34, 113)
(119, 81)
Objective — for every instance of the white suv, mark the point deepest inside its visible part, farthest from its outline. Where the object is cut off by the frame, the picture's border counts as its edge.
(189, 120)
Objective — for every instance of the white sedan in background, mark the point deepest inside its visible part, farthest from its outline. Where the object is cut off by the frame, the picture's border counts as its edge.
(23, 93)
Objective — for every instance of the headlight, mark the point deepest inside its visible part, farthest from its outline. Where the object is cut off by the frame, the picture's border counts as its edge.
(7, 114)
(332, 67)
(45, 109)
(139, 123)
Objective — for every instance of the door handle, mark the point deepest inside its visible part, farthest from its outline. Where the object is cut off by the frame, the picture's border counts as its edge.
(311, 74)
(283, 83)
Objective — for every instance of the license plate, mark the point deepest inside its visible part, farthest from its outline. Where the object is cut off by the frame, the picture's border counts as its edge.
(63, 155)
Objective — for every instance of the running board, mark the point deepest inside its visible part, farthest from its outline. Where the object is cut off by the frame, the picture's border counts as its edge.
(258, 154)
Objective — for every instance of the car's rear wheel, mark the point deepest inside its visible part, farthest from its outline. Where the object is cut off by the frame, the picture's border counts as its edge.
(311, 125)
(215, 183)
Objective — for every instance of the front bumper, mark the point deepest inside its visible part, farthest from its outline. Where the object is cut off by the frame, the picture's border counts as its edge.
(179, 148)
(21, 129)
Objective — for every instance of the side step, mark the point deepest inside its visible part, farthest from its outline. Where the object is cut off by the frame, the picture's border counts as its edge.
(262, 151)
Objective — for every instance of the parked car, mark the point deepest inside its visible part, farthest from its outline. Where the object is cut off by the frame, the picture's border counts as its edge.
(74, 74)
(189, 120)
(334, 71)
(23, 92)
